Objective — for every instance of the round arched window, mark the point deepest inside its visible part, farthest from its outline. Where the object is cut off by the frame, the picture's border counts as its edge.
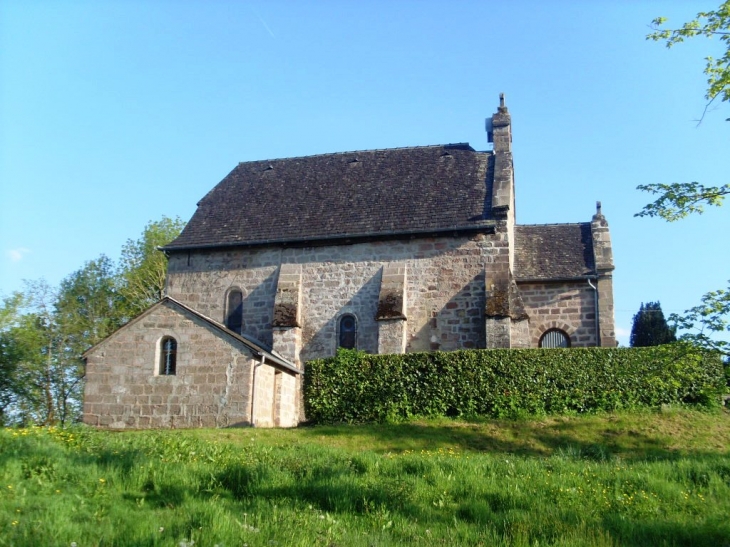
(555, 338)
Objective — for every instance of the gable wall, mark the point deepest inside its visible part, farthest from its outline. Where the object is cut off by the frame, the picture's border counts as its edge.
(211, 387)
(445, 288)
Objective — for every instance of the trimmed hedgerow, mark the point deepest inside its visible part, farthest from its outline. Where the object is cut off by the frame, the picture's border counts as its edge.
(356, 387)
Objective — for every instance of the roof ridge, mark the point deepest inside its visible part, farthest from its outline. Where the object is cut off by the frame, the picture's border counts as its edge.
(451, 146)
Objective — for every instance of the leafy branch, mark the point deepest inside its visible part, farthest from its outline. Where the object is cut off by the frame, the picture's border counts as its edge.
(707, 24)
(678, 200)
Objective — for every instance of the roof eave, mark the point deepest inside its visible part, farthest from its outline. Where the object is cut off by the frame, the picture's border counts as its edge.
(254, 346)
(556, 279)
(485, 226)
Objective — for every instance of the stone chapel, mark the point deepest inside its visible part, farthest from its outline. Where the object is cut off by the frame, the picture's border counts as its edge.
(386, 251)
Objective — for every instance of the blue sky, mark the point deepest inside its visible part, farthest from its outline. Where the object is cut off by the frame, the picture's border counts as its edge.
(113, 114)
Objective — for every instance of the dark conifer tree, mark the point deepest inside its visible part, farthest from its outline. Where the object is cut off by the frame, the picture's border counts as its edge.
(650, 328)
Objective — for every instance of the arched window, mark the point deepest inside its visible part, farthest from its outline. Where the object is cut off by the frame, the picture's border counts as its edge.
(168, 356)
(234, 311)
(348, 331)
(555, 338)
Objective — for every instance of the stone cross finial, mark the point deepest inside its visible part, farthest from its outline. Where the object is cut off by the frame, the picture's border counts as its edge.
(501, 100)
(598, 207)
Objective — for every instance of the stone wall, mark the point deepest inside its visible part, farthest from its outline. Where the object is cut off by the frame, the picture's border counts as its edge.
(570, 307)
(606, 311)
(211, 386)
(444, 289)
(264, 386)
(444, 302)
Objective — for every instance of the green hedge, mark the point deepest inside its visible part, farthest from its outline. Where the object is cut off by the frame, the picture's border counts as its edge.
(357, 387)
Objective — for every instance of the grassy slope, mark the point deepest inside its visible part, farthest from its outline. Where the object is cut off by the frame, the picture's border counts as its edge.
(635, 435)
(624, 479)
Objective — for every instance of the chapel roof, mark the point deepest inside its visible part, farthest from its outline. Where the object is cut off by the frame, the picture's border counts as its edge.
(553, 251)
(372, 193)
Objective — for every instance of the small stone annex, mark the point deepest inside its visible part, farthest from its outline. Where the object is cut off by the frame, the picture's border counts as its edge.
(386, 251)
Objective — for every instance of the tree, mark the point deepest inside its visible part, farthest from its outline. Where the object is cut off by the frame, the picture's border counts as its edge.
(44, 331)
(11, 352)
(143, 267)
(708, 318)
(87, 309)
(650, 328)
(37, 372)
(18, 344)
(677, 200)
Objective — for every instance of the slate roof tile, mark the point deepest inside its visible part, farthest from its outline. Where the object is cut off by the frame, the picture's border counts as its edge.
(553, 251)
(348, 194)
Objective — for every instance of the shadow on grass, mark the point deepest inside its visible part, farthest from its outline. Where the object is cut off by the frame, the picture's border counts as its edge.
(331, 489)
(159, 495)
(348, 476)
(640, 533)
(594, 438)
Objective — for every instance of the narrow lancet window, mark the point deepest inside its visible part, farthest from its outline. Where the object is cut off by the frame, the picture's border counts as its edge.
(234, 315)
(168, 356)
(348, 332)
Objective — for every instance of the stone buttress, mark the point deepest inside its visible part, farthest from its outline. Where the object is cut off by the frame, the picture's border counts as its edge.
(392, 305)
(505, 317)
(603, 255)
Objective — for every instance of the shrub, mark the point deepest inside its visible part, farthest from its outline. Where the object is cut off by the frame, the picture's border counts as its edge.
(356, 387)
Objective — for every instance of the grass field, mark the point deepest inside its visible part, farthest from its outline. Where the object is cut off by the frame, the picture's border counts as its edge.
(638, 479)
